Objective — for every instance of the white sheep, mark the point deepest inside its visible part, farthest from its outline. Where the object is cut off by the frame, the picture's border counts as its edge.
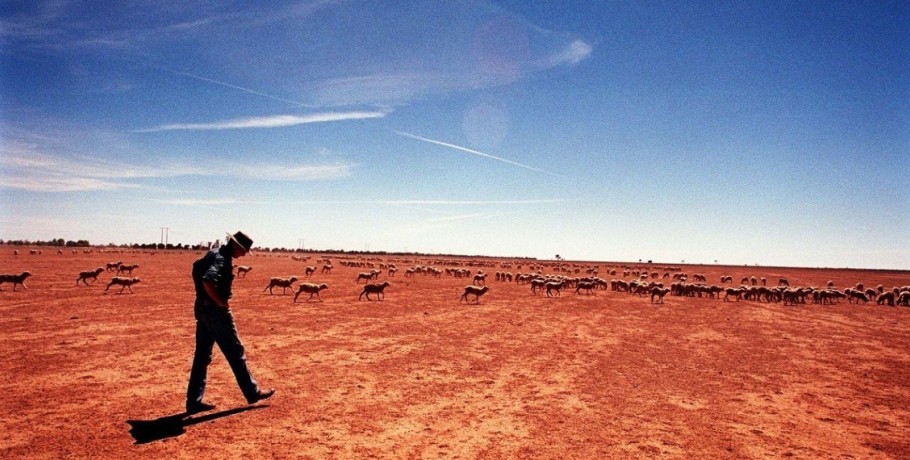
(312, 289)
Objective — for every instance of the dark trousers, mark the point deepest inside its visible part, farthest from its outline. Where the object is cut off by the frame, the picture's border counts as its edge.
(216, 325)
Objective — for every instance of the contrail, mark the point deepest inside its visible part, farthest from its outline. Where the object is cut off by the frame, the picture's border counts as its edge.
(473, 152)
(247, 90)
(221, 83)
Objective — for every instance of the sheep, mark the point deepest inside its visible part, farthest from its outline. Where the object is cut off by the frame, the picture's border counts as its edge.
(309, 271)
(15, 279)
(825, 297)
(123, 282)
(554, 286)
(364, 276)
(783, 282)
(283, 283)
(242, 270)
(764, 281)
(327, 268)
(83, 276)
(734, 292)
(15, 252)
(903, 299)
(726, 279)
(312, 289)
(790, 297)
(832, 296)
(658, 292)
(113, 266)
(537, 285)
(392, 271)
(886, 298)
(127, 269)
(374, 288)
(476, 291)
(480, 278)
(853, 294)
(585, 285)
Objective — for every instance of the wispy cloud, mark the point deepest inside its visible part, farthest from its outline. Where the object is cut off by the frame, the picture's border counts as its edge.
(25, 165)
(474, 152)
(296, 173)
(472, 202)
(275, 121)
(59, 183)
(437, 220)
(437, 202)
(392, 88)
(572, 54)
(208, 203)
(57, 162)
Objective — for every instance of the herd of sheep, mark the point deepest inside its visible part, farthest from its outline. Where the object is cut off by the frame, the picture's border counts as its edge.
(643, 283)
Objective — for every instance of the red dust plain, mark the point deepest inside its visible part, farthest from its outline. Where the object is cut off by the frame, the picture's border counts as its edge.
(423, 375)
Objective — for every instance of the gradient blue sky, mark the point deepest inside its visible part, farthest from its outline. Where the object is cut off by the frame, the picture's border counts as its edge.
(753, 132)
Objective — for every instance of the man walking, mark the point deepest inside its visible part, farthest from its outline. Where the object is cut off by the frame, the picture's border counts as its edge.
(213, 276)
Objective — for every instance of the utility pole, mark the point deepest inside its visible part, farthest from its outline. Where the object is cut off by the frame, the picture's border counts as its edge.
(165, 234)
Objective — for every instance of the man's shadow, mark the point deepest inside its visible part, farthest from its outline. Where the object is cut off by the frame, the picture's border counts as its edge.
(145, 431)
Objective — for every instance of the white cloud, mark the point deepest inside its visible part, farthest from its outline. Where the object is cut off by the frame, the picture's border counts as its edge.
(471, 202)
(275, 121)
(208, 203)
(54, 163)
(297, 173)
(576, 52)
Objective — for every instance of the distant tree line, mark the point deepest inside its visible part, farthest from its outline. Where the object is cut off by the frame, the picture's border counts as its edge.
(60, 242)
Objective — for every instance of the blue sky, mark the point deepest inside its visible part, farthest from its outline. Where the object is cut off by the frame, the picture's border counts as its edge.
(771, 133)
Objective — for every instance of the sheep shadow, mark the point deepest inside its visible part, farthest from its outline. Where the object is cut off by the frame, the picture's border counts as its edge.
(171, 426)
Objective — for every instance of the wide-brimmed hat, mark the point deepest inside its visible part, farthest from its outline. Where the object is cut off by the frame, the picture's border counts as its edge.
(242, 240)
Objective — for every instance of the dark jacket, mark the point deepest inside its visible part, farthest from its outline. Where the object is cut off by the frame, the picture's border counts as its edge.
(215, 266)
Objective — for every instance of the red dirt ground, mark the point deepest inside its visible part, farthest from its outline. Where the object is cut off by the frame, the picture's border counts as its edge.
(422, 375)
